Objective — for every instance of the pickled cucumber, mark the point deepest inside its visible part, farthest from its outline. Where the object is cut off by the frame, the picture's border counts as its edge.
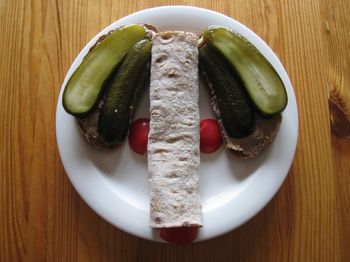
(125, 89)
(84, 87)
(261, 80)
(236, 112)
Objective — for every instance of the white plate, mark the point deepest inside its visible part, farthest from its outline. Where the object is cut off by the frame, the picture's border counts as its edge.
(115, 184)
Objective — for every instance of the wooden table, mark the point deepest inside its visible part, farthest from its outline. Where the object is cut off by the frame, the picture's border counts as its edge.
(43, 218)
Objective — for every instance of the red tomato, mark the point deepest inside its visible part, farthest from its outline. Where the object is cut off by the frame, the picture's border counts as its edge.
(138, 135)
(179, 235)
(210, 135)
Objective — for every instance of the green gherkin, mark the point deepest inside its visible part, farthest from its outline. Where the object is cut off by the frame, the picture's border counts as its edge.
(83, 90)
(123, 92)
(236, 112)
(262, 82)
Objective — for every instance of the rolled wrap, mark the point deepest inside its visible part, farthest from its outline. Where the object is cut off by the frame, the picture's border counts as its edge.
(173, 142)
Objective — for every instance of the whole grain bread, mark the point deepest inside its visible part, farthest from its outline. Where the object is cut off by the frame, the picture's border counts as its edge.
(254, 144)
(89, 125)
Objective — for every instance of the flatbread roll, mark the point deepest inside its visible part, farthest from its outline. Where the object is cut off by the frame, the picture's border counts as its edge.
(173, 142)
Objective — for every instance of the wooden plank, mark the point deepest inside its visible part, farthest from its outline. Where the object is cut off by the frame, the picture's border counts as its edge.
(336, 22)
(43, 218)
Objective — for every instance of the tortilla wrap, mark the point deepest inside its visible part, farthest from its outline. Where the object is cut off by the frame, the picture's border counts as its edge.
(173, 142)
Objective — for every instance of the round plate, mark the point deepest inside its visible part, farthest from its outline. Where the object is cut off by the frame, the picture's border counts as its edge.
(115, 183)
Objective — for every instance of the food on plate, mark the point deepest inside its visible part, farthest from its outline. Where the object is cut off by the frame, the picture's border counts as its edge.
(210, 136)
(122, 59)
(263, 84)
(240, 80)
(84, 87)
(252, 145)
(246, 94)
(265, 89)
(236, 112)
(124, 92)
(173, 143)
(138, 135)
(179, 235)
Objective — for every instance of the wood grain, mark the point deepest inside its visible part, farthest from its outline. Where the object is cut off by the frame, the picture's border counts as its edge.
(42, 218)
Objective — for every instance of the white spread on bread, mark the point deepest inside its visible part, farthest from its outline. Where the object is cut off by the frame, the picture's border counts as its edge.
(173, 142)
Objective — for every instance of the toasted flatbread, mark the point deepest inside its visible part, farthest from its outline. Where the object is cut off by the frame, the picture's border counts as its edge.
(173, 142)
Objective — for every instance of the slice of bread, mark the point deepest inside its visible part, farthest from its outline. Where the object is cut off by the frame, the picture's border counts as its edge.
(89, 124)
(254, 144)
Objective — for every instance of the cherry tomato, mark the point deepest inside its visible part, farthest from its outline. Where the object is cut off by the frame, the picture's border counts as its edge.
(138, 135)
(179, 235)
(210, 136)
